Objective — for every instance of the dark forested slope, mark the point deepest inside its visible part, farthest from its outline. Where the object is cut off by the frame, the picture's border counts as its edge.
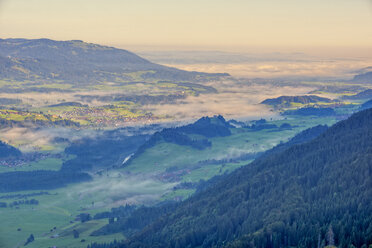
(363, 78)
(7, 151)
(366, 94)
(366, 105)
(310, 195)
(295, 99)
(205, 127)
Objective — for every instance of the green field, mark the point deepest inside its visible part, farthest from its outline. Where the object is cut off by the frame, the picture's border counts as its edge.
(44, 164)
(140, 180)
(242, 141)
(58, 210)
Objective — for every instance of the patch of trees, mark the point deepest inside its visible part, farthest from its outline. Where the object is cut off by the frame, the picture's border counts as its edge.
(24, 202)
(243, 157)
(35, 122)
(12, 90)
(139, 99)
(106, 150)
(262, 124)
(84, 217)
(285, 101)
(137, 220)
(75, 234)
(311, 194)
(363, 78)
(311, 111)
(114, 244)
(68, 104)
(120, 212)
(285, 126)
(20, 196)
(7, 123)
(172, 136)
(302, 137)
(29, 239)
(366, 105)
(259, 127)
(9, 101)
(39, 180)
(366, 94)
(208, 127)
(7, 151)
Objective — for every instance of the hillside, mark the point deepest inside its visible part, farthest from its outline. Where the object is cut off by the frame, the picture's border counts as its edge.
(204, 128)
(13, 117)
(7, 151)
(287, 100)
(311, 111)
(366, 105)
(366, 94)
(79, 62)
(313, 194)
(363, 78)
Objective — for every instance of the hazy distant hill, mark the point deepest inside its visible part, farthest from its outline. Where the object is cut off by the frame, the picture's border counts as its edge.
(287, 100)
(311, 111)
(366, 94)
(363, 78)
(79, 62)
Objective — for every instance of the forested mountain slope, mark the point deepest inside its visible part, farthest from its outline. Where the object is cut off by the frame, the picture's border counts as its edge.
(7, 151)
(296, 99)
(363, 78)
(366, 105)
(310, 195)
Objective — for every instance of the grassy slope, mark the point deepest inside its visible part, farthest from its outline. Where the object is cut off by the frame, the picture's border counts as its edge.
(55, 210)
(44, 164)
(166, 155)
(58, 209)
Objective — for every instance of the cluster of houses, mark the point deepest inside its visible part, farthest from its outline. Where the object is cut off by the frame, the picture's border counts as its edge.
(25, 159)
(102, 117)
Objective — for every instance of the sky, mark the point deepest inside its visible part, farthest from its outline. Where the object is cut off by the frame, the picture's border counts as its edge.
(193, 23)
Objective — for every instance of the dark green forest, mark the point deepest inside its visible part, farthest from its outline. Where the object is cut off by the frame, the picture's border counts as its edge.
(206, 127)
(311, 111)
(287, 100)
(39, 179)
(312, 194)
(8, 151)
(366, 105)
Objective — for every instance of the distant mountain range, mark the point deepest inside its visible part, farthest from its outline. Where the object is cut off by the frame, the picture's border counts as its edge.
(79, 62)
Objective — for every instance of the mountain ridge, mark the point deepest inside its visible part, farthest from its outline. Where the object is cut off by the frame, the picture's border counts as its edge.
(79, 62)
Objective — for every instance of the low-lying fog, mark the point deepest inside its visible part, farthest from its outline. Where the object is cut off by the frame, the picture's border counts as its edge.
(336, 65)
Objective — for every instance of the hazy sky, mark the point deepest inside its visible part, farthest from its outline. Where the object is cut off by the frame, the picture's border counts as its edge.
(199, 23)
